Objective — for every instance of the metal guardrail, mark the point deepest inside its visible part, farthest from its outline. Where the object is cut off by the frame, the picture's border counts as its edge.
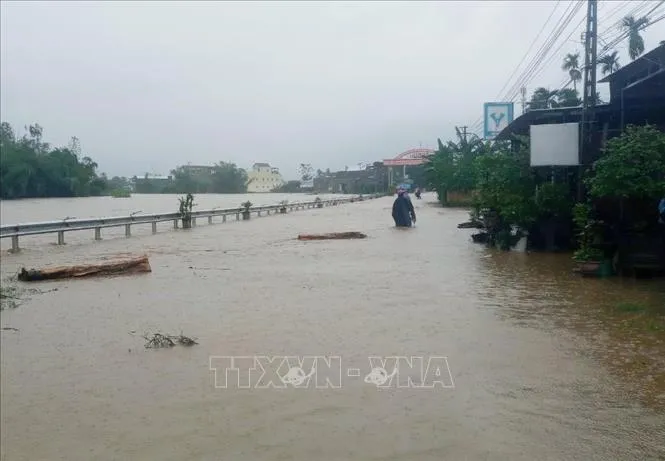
(14, 231)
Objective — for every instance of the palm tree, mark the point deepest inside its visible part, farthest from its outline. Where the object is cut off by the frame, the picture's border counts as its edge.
(609, 63)
(635, 40)
(571, 63)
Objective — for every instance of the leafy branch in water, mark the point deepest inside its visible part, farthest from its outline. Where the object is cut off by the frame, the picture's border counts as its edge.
(186, 205)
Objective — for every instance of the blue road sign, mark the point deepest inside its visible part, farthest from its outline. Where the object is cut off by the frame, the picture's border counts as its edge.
(497, 116)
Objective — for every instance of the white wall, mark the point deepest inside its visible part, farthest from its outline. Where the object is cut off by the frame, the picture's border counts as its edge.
(555, 144)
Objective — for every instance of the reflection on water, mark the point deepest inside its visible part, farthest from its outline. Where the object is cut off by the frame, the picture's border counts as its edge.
(546, 366)
(622, 320)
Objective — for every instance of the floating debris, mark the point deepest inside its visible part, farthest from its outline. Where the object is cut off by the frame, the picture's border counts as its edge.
(158, 340)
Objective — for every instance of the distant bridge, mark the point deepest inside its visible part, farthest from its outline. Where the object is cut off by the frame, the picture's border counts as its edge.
(411, 157)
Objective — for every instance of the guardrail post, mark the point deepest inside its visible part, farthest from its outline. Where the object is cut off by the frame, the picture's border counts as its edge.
(15, 247)
(175, 223)
(210, 219)
(61, 238)
(154, 227)
(128, 230)
(98, 233)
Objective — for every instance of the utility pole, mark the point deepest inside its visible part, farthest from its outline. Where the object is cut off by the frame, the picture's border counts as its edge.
(523, 92)
(589, 98)
(463, 129)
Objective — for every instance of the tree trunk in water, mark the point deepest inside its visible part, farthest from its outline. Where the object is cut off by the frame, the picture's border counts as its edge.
(123, 266)
(333, 236)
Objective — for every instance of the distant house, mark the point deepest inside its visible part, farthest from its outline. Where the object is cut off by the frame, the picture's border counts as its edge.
(198, 170)
(149, 182)
(263, 178)
(374, 178)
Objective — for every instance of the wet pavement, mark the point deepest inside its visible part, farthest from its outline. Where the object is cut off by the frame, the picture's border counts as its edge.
(544, 364)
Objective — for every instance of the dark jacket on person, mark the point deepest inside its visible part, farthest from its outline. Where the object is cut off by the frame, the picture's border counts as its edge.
(403, 212)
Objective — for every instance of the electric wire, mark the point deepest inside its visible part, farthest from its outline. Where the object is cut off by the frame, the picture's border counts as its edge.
(615, 34)
(544, 48)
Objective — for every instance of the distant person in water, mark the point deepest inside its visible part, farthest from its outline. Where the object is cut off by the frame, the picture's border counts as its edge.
(403, 212)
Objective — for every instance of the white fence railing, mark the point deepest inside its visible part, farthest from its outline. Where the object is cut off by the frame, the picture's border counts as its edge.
(14, 231)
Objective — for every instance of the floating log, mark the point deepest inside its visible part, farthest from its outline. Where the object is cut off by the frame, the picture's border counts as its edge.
(123, 266)
(471, 225)
(333, 236)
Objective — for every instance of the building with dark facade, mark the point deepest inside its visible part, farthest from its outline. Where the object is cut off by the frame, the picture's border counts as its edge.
(637, 97)
(372, 179)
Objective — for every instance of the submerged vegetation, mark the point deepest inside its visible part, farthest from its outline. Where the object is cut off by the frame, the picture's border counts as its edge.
(508, 193)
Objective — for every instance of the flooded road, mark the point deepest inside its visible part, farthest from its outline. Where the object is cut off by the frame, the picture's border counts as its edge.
(546, 366)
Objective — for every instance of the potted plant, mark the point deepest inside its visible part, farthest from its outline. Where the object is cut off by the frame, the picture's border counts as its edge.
(186, 205)
(590, 260)
(318, 202)
(282, 208)
(246, 210)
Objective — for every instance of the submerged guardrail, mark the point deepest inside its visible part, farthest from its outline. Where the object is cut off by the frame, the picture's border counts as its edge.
(14, 231)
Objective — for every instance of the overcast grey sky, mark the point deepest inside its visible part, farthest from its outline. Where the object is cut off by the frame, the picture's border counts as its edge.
(149, 86)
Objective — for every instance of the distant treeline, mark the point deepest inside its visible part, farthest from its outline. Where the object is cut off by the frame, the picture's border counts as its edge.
(32, 168)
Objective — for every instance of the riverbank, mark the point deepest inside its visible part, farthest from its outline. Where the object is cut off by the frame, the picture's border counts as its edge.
(541, 364)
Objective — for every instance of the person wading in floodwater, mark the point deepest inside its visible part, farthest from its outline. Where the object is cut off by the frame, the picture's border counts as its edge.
(403, 212)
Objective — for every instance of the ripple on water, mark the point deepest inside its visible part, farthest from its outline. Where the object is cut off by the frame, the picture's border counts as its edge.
(544, 365)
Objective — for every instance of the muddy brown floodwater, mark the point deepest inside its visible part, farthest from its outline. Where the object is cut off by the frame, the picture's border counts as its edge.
(545, 366)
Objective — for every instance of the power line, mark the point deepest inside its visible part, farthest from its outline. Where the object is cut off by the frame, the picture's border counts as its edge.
(563, 22)
(621, 34)
(538, 62)
(626, 33)
(543, 49)
(537, 65)
(527, 51)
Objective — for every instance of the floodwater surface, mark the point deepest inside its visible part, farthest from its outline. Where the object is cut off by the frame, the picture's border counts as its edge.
(545, 365)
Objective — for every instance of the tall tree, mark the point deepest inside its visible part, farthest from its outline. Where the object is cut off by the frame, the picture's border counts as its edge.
(568, 97)
(306, 171)
(542, 98)
(30, 168)
(571, 64)
(227, 178)
(635, 41)
(609, 63)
